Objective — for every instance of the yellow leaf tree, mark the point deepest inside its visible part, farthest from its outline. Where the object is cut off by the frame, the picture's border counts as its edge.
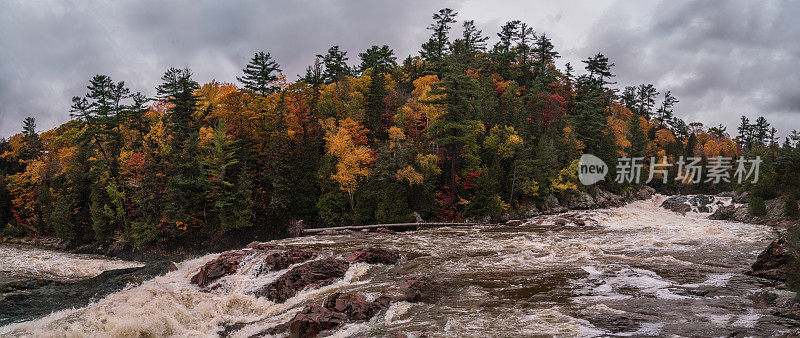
(353, 157)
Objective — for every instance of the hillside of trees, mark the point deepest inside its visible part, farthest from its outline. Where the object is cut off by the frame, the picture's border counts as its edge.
(463, 130)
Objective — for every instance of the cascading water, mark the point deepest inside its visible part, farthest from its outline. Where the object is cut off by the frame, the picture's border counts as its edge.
(641, 270)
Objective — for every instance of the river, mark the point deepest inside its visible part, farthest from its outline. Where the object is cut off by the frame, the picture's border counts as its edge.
(637, 270)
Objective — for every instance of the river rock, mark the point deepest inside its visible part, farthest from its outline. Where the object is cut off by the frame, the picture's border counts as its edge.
(279, 260)
(724, 212)
(645, 193)
(773, 262)
(514, 223)
(374, 256)
(227, 263)
(309, 322)
(354, 305)
(742, 198)
(552, 205)
(421, 289)
(311, 274)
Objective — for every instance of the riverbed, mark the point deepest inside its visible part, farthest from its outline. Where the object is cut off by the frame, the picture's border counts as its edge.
(637, 270)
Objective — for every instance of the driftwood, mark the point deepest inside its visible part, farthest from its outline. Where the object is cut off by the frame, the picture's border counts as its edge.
(391, 226)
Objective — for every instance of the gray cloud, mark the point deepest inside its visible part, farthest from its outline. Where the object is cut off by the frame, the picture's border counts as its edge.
(721, 59)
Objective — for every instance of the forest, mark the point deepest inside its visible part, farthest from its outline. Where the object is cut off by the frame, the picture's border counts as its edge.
(464, 130)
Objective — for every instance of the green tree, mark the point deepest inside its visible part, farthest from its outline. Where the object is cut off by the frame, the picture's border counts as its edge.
(437, 46)
(259, 74)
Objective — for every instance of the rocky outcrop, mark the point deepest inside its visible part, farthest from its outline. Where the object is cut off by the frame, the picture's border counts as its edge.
(309, 322)
(279, 260)
(773, 262)
(374, 256)
(724, 212)
(227, 263)
(422, 289)
(645, 193)
(311, 274)
(580, 201)
(683, 204)
(355, 306)
(23, 306)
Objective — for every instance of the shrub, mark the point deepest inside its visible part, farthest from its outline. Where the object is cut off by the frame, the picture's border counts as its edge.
(791, 206)
(757, 206)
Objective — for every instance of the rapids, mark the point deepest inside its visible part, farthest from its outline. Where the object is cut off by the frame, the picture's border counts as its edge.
(641, 270)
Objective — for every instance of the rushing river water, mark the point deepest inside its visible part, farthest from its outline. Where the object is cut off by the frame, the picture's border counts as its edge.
(639, 270)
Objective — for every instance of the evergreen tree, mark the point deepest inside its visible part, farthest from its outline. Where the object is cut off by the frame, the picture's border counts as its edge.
(259, 74)
(629, 98)
(473, 38)
(745, 133)
(335, 62)
(646, 99)
(664, 113)
(599, 68)
(380, 59)
(435, 49)
(545, 53)
(178, 89)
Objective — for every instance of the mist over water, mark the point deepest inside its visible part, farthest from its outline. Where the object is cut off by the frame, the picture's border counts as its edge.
(641, 270)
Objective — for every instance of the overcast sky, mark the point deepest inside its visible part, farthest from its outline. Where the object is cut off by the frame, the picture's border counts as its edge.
(721, 59)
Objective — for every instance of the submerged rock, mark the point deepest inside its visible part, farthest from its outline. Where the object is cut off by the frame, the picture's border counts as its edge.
(773, 262)
(311, 274)
(421, 289)
(29, 305)
(374, 256)
(227, 263)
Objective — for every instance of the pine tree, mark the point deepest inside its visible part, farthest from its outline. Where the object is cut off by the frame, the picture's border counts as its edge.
(664, 113)
(380, 59)
(335, 62)
(435, 49)
(629, 98)
(545, 53)
(179, 89)
(745, 133)
(473, 38)
(599, 68)
(259, 74)
(646, 99)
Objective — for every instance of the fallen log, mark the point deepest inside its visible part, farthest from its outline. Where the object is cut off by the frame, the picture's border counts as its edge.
(394, 226)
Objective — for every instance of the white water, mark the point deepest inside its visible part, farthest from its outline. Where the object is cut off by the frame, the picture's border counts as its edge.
(22, 262)
(642, 271)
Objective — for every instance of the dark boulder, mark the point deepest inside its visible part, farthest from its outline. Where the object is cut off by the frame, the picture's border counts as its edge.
(311, 274)
(724, 212)
(227, 263)
(309, 322)
(279, 260)
(421, 289)
(773, 262)
(374, 256)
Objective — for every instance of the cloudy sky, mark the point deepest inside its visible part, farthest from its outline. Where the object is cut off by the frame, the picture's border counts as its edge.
(721, 59)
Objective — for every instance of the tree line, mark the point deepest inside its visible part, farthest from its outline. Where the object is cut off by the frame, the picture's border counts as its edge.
(463, 130)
